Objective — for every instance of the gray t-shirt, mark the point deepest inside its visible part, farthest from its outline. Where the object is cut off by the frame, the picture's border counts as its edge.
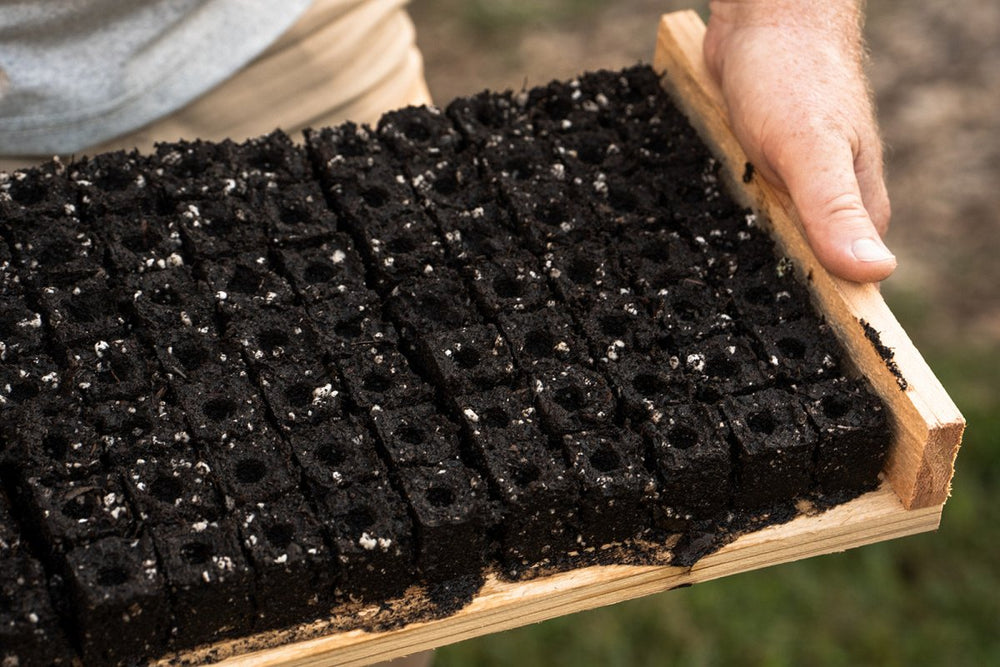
(75, 73)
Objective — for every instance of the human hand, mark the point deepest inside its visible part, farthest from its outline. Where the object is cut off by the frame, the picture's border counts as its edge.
(799, 104)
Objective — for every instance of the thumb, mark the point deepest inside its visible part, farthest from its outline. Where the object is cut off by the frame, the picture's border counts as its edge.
(824, 188)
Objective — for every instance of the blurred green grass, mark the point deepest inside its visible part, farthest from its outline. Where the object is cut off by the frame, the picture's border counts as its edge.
(931, 599)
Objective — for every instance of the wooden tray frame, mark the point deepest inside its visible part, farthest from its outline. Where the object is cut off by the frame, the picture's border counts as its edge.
(917, 476)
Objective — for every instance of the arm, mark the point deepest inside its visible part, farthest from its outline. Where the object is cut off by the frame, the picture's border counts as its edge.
(791, 73)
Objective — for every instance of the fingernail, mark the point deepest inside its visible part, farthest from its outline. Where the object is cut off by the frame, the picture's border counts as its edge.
(870, 250)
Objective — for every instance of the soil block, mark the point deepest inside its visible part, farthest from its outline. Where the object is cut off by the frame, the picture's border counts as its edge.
(30, 633)
(211, 586)
(416, 436)
(774, 447)
(295, 571)
(120, 609)
(467, 360)
(572, 398)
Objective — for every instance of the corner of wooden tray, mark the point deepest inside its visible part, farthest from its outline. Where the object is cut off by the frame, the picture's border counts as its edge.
(928, 426)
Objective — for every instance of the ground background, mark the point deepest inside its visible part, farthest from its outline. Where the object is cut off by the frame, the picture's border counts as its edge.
(931, 599)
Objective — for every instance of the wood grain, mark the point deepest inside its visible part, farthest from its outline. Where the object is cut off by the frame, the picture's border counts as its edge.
(928, 429)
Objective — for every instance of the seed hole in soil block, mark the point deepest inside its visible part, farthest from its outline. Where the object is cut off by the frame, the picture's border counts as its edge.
(375, 197)
(539, 343)
(359, 519)
(616, 325)
(446, 183)
(299, 394)
(719, 366)
(111, 576)
(570, 398)
(507, 287)
(792, 348)
(401, 245)
(682, 437)
(166, 296)
(220, 408)
(377, 381)
(605, 458)
(649, 385)
(143, 241)
(89, 307)
(349, 328)
(526, 474)
(551, 214)
(56, 253)
(416, 131)
(291, 216)
(411, 435)
(762, 422)
(22, 391)
(331, 453)
(271, 339)
(520, 168)
(250, 471)
(582, 270)
(835, 407)
(319, 272)
(759, 295)
(166, 489)
(244, 281)
(55, 445)
(495, 418)
(191, 355)
(592, 151)
(27, 192)
(622, 199)
(440, 496)
(685, 311)
(280, 535)
(467, 358)
(80, 508)
(196, 553)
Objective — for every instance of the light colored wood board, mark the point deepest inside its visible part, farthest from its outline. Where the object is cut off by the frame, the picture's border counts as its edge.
(874, 517)
(928, 424)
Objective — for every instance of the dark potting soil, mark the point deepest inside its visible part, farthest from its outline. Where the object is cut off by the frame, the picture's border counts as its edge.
(248, 386)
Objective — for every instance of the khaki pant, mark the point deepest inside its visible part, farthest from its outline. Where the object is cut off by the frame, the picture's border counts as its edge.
(342, 60)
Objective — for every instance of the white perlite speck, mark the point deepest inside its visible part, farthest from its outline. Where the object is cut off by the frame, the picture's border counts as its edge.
(367, 542)
(696, 361)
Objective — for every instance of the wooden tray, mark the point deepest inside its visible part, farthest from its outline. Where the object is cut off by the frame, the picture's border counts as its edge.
(916, 479)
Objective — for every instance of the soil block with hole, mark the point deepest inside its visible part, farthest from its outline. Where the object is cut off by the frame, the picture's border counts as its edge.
(335, 455)
(584, 274)
(295, 571)
(246, 283)
(619, 326)
(63, 447)
(720, 366)
(851, 448)
(372, 535)
(30, 632)
(476, 227)
(803, 350)
(512, 282)
(175, 487)
(572, 398)
(143, 243)
(323, 272)
(166, 301)
(467, 360)
(20, 328)
(615, 489)
(117, 183)
(447, 502)
(83, 311)
(416, 436)
(690, 311)
(69, 513)
(301, 394)
(210, 582)
(546, 335)
(120, 609)
(223, 404)
(537, 497)
(661, 260)
(691, 453)
(131, 430)
(253, 469)
(380, 375)
(647, 385)
(297, 215)
(108, 370)
(436, 302)
(273, 338)
(774, 447)
(769, 299)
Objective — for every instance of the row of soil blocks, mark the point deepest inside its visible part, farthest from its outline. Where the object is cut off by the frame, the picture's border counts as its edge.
(248, 386)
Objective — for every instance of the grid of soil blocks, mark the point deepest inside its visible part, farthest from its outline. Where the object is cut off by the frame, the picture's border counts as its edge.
(247, 386)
